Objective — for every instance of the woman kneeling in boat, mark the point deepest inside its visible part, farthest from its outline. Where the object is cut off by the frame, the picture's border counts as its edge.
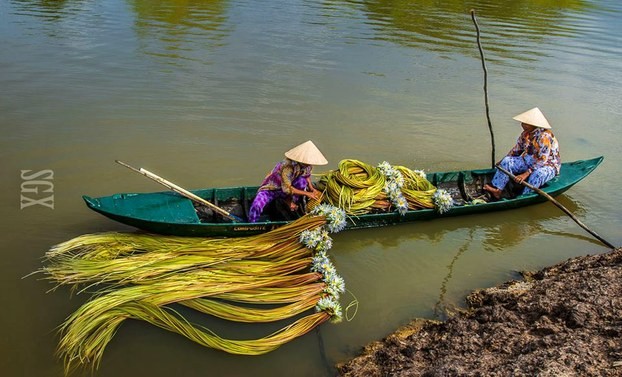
(289, 180)
(535, 157)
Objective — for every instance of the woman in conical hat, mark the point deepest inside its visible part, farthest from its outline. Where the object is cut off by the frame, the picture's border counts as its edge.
(534, 158)
(289, 180)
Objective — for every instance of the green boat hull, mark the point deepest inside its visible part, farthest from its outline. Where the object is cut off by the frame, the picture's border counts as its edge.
(172, 214)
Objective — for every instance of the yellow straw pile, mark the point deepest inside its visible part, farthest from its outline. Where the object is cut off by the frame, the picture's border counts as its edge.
(141, 276)
(360, 188)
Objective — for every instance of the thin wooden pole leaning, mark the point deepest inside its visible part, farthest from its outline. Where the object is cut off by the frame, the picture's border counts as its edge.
(180, 190)
(559, 205)
(481, 52)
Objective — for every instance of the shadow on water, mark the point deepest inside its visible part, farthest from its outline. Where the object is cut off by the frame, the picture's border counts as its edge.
(513, 28)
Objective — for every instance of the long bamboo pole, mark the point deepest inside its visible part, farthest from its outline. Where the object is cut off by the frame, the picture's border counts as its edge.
(559, 205)
(492, 138)
(179, 190)
(481, 52)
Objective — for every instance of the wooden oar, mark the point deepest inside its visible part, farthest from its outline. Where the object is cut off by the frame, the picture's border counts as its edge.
(180, 190)
(558, 204)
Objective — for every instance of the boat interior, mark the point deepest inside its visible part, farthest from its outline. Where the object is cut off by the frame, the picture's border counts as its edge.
(463, 186)
(237, 201)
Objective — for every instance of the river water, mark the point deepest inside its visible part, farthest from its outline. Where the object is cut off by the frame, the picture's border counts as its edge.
(211, 92)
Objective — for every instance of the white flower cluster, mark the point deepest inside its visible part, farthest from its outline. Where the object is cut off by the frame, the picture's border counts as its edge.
(329, 305)
(320, 241)
(335, 286)
(420, 173)
(443, 201)
(335, 217)
(393, 186)
(316, 239)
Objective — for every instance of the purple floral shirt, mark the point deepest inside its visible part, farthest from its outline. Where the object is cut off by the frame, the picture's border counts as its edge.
(541, 146)
(283, 174)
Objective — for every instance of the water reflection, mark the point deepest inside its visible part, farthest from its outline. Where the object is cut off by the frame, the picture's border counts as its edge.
(441, 309)
(180, 29)
(50, 10)
(528, 222)
(511, 29)
(471, 234)
(511, 233)
(502, 237)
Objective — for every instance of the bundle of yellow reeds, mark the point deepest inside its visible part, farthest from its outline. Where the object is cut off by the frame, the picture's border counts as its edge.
(360, 188)
(141, 258)
(141, 276)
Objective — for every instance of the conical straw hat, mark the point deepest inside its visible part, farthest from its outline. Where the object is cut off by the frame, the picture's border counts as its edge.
(306, 153)
(533, 117)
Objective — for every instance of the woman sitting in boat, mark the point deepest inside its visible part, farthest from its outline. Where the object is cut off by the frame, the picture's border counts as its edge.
(289, 180)
(535, 157)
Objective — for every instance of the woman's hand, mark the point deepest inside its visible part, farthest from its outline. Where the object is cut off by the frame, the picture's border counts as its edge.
(313, 194)
(521, 177)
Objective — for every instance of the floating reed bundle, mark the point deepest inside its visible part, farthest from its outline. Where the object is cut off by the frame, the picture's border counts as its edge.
(361, 188)
(141, 276)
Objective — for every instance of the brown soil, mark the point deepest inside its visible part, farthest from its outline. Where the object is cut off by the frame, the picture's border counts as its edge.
(565, 320)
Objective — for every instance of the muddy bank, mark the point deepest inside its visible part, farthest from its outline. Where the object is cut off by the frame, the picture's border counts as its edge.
(565, 320)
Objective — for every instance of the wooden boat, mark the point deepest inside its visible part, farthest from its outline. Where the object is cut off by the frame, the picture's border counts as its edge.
(172, 214)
